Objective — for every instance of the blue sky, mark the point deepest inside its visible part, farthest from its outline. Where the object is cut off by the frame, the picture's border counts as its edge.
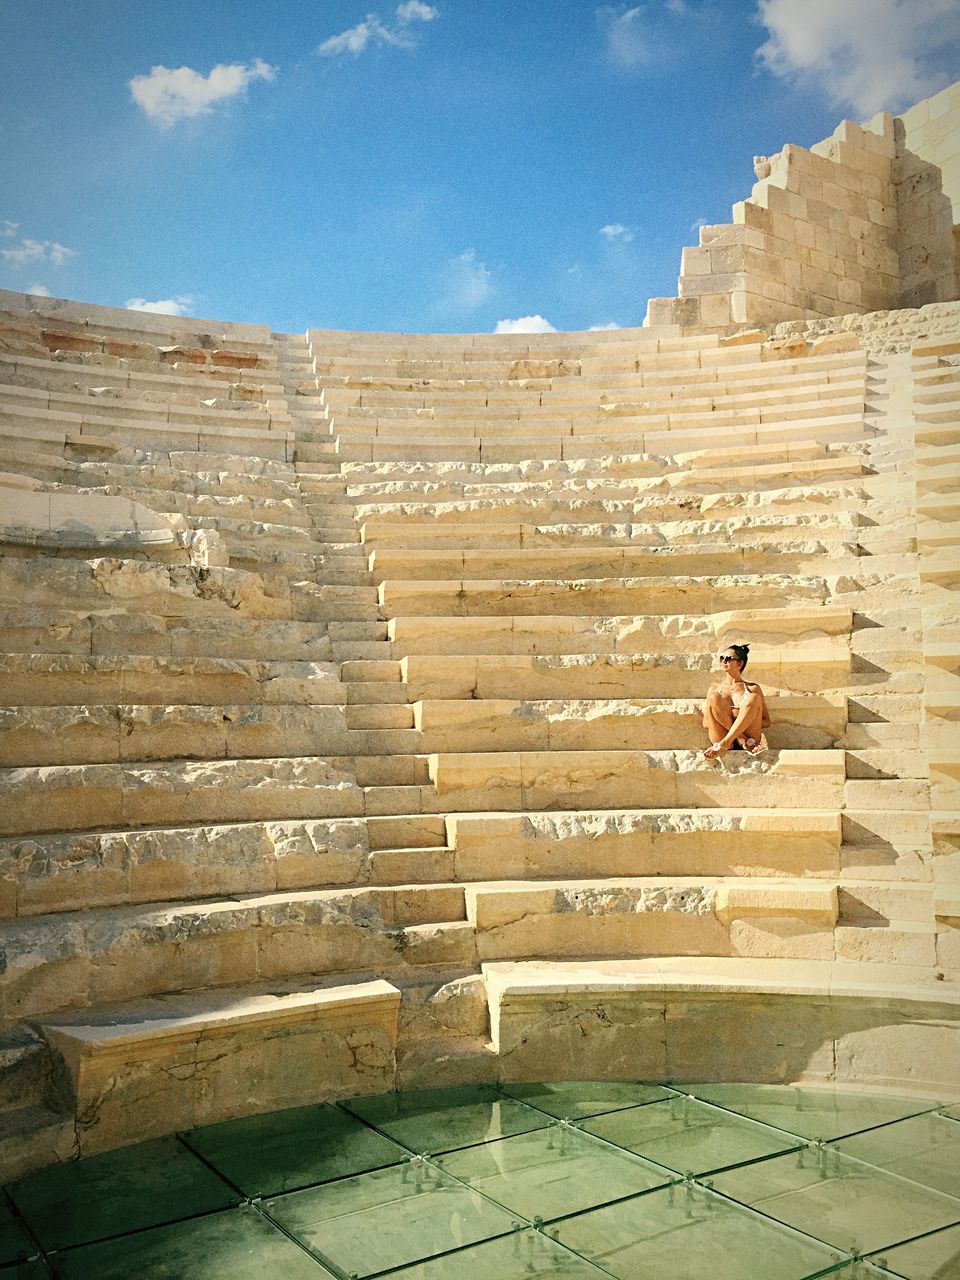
(443, 166)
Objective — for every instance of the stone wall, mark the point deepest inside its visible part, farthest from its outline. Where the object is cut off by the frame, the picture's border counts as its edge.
(931, 131)
(856, 223)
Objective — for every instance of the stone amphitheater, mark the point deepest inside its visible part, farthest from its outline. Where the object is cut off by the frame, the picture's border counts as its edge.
(351, 733)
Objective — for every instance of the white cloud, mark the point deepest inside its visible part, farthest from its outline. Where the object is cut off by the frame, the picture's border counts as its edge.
(525, 324)
(627, 44)
(415, 11)
(373, 31)
(167, 95)
(39, 291)
(179, 306)
(699, 222)
(870, 55)
(469, 281)
(8, 228)
(617, 231)
(36, 251)
(602, 328)
(356, 39)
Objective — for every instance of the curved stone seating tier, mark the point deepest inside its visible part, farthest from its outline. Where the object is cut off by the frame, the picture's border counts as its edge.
(360, 719)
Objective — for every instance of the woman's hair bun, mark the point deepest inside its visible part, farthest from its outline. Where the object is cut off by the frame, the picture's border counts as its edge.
(742, 651)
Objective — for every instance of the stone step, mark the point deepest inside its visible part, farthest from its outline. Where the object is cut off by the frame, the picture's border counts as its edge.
(386, 672)
(95, 796)
(719, 371)
(245, 386)
(416, 598)
(611, 634)
(646, 842)
(58, 680)
(427, 831)
(57, 429)
(179, 590)
(781, 419)
(496, 401)
(147, 642)
(602, 1015)
(560, 450)
(536, 780)
(806, 721)
(278, 518)
(34, 1136)
(624, 918)
(407, 527)
(395, 716)
(567, 363)
(350, 650)
(104, 733)
(270, 485)
(480, 564)
(513, 366)
(803, 669)
(125, 408)
(602, 499)
(178, 1061)
(877, 940)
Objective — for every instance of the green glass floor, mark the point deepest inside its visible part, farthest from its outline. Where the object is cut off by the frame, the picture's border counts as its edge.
(571, 1181)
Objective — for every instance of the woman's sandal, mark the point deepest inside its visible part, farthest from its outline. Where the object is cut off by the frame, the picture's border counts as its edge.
(754, 749)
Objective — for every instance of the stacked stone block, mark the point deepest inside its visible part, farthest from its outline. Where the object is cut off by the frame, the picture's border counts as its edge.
(857, 223)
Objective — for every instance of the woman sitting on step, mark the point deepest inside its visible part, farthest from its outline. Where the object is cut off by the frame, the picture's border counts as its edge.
(735, 712)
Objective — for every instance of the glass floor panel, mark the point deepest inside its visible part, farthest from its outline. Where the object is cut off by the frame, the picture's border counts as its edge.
(935, 1257)
(639, 1181)
(118, 1191)
(552, 1172)
(842, 1201)
(689, 1136)
(237, 1245)
(430, 1120)
(15, 1244)
(389, 1217)
(685, 1230)
(924, 1148)
(515, 1257)
(817, 1114)
(574, 1099)
(286, 1150)
(26, 1271)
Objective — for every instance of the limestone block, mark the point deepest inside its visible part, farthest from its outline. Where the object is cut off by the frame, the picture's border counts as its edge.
(781, 937)
(817, 904)
(187, 1060)
(722, 1019)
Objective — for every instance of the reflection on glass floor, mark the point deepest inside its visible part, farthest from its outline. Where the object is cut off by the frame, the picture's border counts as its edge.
(570, 1181)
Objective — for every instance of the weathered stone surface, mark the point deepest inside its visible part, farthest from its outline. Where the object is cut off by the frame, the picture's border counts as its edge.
(140, 1071)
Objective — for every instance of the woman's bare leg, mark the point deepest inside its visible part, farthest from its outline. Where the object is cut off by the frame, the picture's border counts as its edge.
(718, 716)
(745, 726)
